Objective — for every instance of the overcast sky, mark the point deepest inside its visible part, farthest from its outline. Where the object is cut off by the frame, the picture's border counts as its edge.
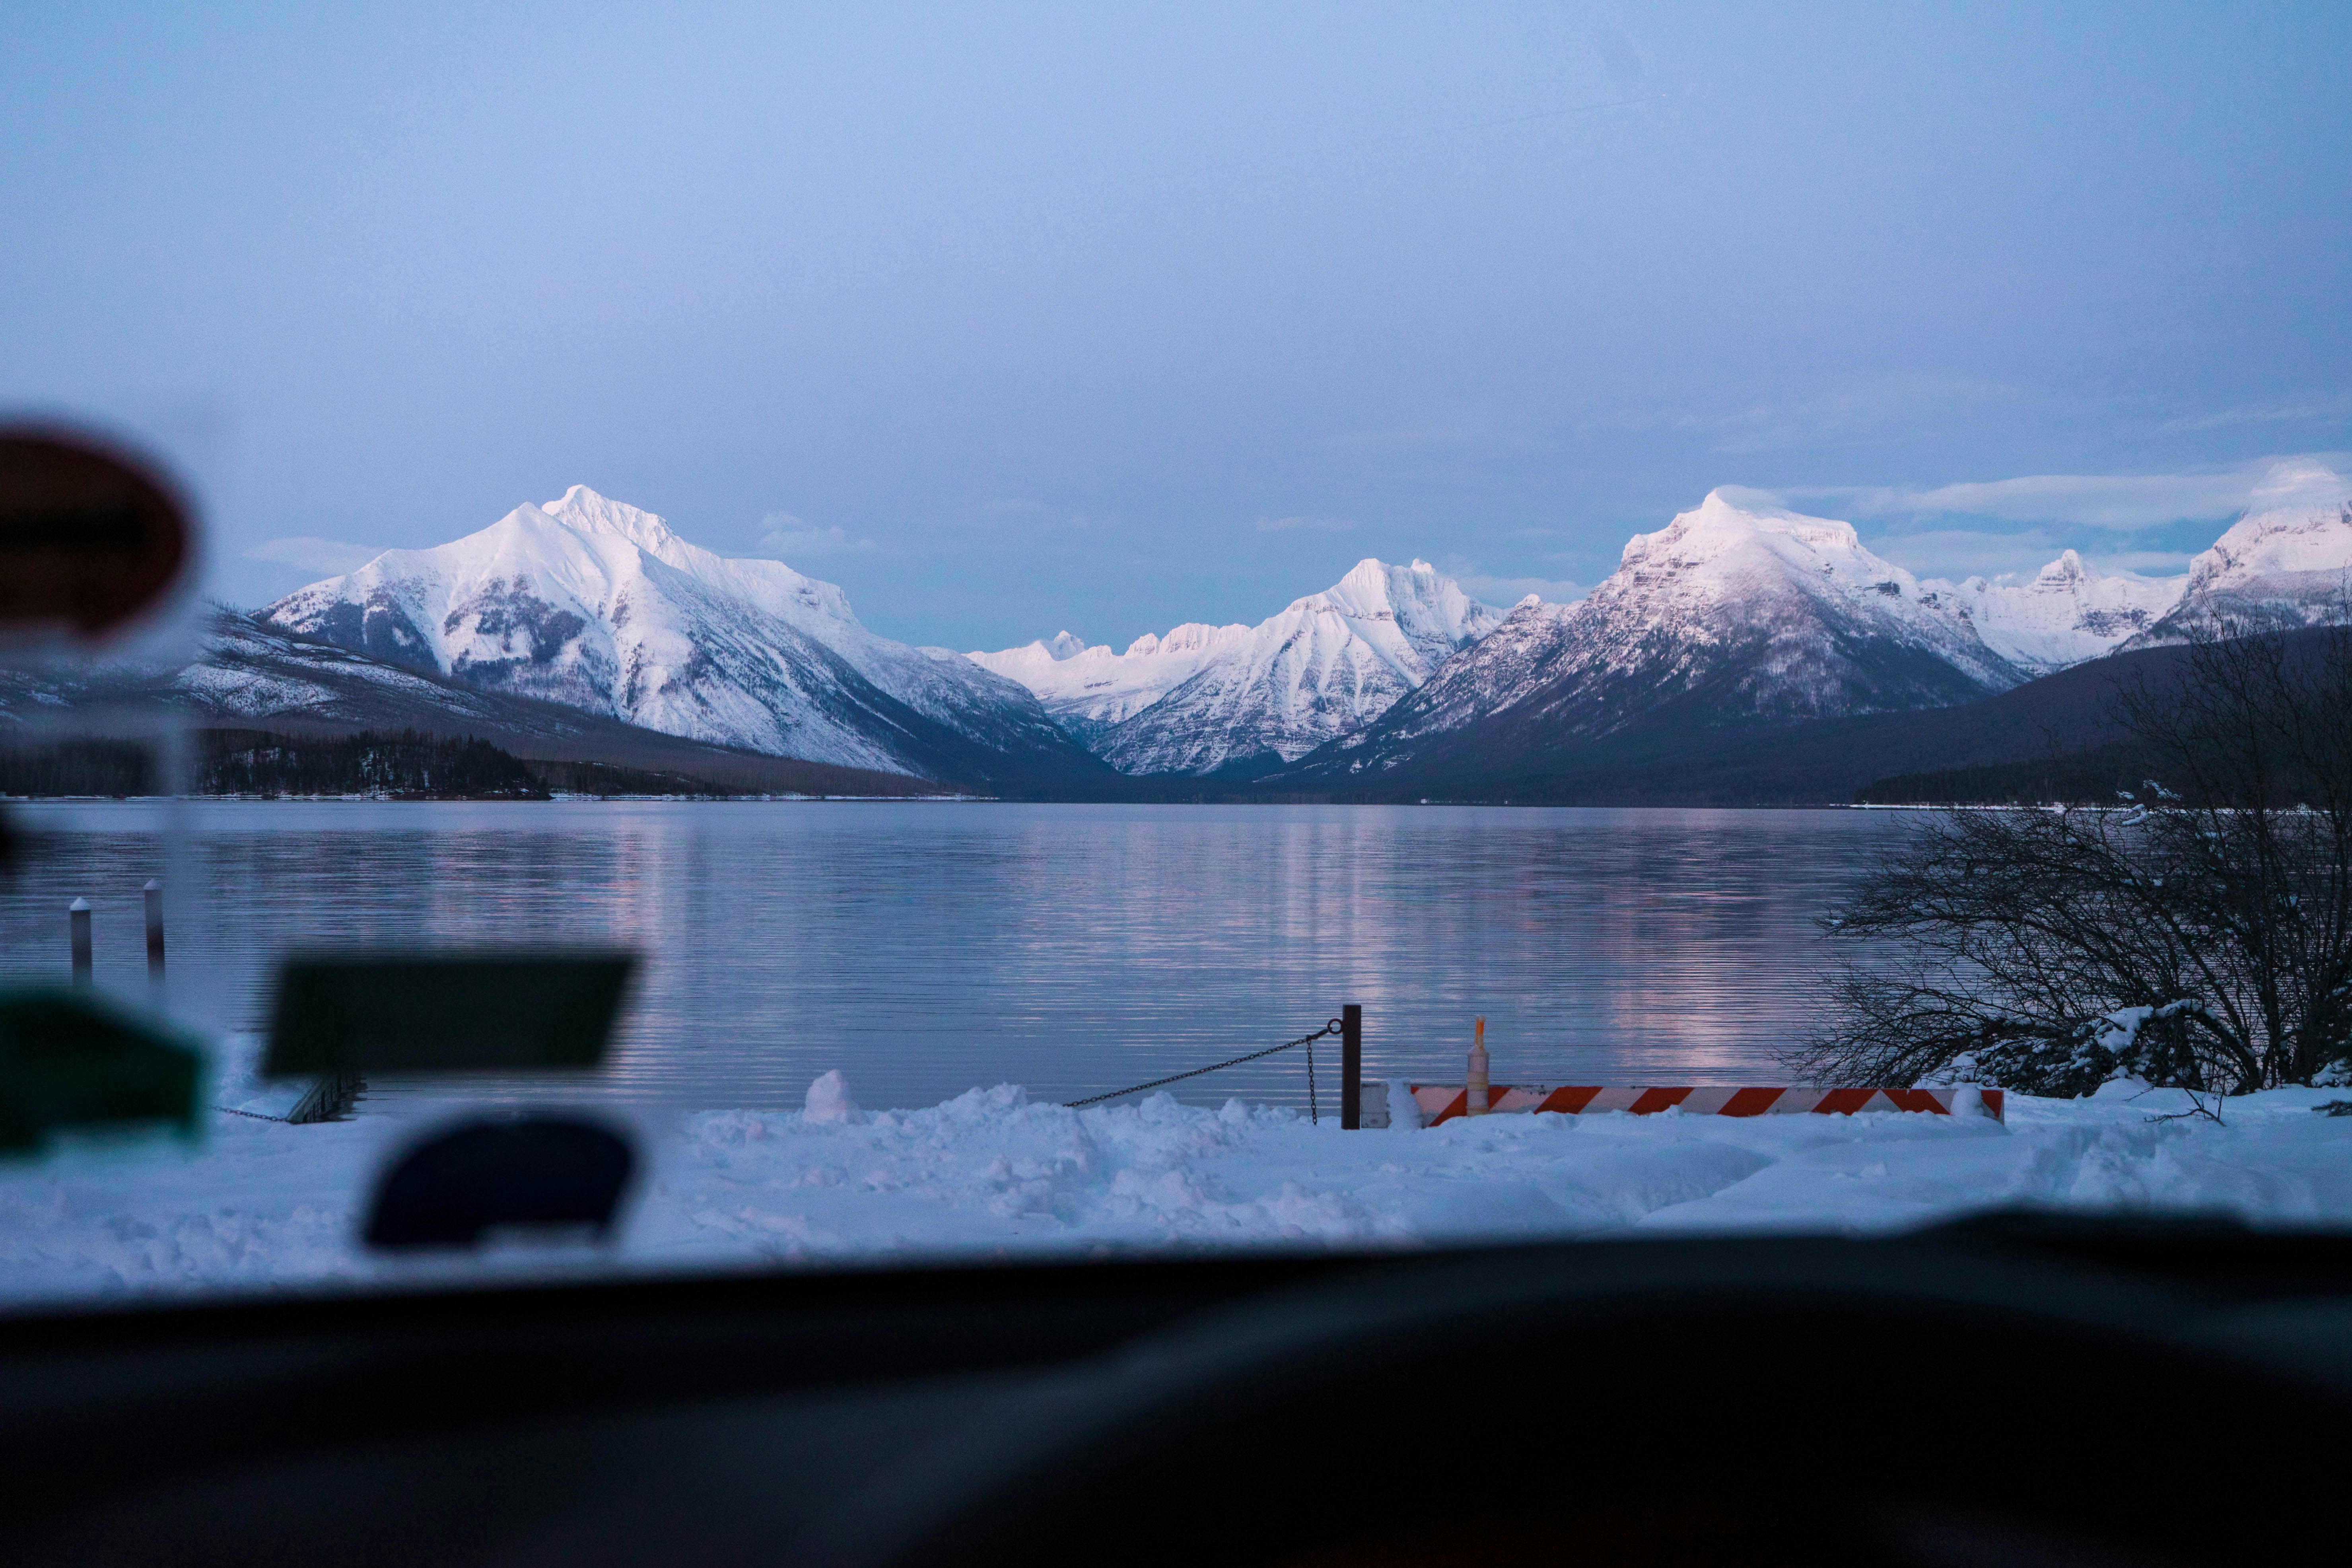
(1015, 318)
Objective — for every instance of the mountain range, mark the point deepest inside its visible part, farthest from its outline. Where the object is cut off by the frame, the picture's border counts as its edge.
(1207, 700)
(1738, 620)
(588, 629)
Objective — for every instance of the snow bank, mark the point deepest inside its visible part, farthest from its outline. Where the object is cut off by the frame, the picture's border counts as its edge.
(990, 1174)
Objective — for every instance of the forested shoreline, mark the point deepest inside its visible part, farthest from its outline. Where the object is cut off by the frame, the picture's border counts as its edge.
(264, 764)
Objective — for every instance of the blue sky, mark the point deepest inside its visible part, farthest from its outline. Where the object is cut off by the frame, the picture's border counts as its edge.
(1013, 318)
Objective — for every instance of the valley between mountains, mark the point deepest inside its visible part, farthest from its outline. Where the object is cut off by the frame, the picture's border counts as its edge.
(1741, 655)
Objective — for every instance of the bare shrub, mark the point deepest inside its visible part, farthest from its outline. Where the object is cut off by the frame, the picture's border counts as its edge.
(2198, 935)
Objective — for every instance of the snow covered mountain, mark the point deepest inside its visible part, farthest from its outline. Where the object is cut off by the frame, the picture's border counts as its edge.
(599, 606)
(1088, 689)
(1732, 614)
(244, 673)
(1203, 699)
(240, 671)
(2288, 565)
(2065, 614)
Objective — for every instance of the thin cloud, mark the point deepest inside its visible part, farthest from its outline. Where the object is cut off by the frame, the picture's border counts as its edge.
(1956, 554)
(784, 536)
(2312, 411)
(1293, 524)
(2100, 500)
(1419, 435)
(2147, 562)
(1840, 411)
(1960, 553)
(1011, 505)
(331, 557)
(1509, 591)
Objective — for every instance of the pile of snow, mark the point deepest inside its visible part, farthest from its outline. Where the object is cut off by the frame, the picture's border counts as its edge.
(991, 1173)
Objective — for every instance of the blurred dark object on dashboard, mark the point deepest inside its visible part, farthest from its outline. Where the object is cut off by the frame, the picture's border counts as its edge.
(539, 1173)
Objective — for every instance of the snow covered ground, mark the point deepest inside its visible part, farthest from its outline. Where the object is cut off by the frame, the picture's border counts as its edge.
(990, 1174)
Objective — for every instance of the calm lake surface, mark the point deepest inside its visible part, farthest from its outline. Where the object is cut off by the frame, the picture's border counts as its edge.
(924, 949)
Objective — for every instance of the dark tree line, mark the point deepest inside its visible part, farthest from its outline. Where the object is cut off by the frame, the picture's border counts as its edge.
(76, 767)
(408, 766)
(2084, 778)
(2197, 933)
(409, 763)
(256, 763)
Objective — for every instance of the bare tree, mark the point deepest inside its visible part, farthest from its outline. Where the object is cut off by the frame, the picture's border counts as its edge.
(2197, 935)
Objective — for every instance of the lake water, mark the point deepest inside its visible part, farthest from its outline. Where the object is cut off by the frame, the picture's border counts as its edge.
(924, 949)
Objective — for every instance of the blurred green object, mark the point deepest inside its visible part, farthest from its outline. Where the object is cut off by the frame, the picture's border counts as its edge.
(68, 1060)
(429, 1014)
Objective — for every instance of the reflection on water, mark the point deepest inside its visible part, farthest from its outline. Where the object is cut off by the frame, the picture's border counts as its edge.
(927, 948)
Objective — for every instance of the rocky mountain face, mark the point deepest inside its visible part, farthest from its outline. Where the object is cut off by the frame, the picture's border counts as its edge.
(1738, 618)
(241, 669)
(1207, 700)
(2274, 570)
(598, 606)
(1088, 690)
(1731, 615)
(244, 673)
(2065, 614)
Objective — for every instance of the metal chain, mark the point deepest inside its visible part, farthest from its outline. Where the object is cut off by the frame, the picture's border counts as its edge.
(1331, 1028)
(255, 1115)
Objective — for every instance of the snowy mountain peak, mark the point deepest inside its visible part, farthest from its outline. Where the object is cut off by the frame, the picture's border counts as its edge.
(2287, 563)
(1736, 611)
(598, 604)
(1721, 526)
(1191, 638)
(2303, 525)
(1731, 548)
(584, 511)
(1366, 586)
(1197, 696)
(2066, 613)
(2066, 570)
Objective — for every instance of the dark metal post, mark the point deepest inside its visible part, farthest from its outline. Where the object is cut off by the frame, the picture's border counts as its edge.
(1351, 1066)
(78, 920)
(155, 934)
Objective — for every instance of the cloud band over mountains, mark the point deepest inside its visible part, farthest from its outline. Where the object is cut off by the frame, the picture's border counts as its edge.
(2095, 500)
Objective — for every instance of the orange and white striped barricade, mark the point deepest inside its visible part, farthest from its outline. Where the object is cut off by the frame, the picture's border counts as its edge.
(1443, 1102)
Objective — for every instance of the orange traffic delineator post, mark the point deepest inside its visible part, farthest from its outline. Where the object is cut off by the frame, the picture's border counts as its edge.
(1442, 1102)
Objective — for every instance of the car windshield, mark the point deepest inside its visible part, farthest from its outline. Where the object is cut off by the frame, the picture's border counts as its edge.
(799, 637)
